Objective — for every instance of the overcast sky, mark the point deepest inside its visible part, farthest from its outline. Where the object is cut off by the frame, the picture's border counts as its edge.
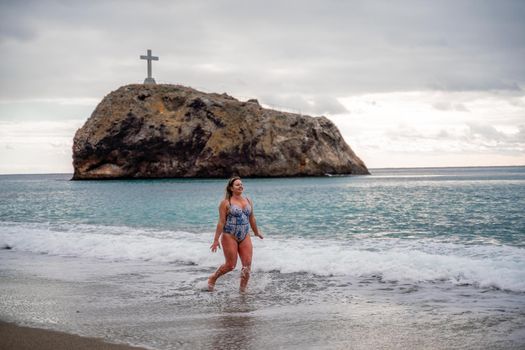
(408, 83)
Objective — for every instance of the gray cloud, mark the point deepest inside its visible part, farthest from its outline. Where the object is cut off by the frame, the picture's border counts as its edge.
(316, 105)
(447, 106)
(488, 133)
(474, 137)
(308, 48)
(485, 132)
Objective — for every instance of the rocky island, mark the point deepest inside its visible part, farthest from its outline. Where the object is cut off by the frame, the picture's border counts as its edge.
(161, 131)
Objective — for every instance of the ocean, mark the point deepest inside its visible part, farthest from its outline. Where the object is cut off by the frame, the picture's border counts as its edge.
(418, 258)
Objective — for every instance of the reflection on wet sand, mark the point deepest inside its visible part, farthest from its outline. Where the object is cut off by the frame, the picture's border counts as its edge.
(235, 331)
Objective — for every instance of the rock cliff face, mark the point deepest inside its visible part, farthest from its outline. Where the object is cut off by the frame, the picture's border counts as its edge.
(154, 131)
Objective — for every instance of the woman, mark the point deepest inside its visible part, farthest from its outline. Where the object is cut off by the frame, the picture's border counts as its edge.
(235, 212)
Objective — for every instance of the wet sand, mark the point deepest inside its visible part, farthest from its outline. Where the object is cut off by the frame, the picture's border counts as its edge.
(152, 306)
(24, 338)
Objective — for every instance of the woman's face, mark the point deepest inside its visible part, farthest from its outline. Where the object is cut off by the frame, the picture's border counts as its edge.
(237, 186)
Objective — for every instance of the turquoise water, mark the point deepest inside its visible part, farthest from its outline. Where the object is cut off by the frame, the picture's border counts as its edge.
(432, 257)
(471, 205)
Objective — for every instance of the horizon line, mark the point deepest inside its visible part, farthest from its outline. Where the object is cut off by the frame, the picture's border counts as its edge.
(380, 168)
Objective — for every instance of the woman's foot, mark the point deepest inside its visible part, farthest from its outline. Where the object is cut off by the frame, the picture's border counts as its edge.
(211, 283)
(245, 276)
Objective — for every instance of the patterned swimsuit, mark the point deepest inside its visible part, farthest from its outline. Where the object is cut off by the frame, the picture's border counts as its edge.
(237, 221)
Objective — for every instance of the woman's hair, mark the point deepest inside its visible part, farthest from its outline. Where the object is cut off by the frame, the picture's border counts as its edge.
(229, 192)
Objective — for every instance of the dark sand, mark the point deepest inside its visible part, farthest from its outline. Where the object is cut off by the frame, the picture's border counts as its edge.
(14, 337)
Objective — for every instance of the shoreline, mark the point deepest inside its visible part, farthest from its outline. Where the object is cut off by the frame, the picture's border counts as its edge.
(15, 337)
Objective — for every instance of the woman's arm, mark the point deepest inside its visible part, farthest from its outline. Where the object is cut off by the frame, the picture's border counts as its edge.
(253, 221)
(223, 210)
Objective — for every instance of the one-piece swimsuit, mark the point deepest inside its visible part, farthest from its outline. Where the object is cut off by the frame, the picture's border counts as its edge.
(237, 221)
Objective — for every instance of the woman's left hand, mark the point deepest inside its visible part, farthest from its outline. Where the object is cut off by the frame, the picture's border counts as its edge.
(259, 235)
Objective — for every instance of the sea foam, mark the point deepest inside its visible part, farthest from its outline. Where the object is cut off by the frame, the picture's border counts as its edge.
(403, 260)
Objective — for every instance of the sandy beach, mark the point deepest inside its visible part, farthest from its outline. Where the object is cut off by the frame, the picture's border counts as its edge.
(168, 319)
(15, 337)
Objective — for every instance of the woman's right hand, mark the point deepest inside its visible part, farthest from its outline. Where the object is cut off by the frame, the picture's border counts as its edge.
(214, 246)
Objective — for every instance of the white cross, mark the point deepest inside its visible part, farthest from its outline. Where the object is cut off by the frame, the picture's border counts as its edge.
(149, 58)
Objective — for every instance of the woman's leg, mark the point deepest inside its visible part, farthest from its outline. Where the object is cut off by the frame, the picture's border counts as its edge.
(229, 248)
(245, 252)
